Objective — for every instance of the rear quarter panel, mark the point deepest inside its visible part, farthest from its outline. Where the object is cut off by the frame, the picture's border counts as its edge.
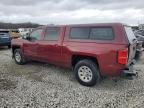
(105, 51)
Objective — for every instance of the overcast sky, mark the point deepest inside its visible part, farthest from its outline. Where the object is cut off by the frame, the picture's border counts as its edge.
(72, 11)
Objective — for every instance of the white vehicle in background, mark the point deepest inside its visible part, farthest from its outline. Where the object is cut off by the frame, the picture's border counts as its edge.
(25, 31)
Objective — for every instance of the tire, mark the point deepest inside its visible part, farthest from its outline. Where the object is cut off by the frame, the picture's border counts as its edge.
(9, 46)
(87, 72)
(18, 57)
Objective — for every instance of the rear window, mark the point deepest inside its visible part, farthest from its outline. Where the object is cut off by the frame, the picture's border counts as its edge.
(5, 34)
(2, 34)
(93, 33)
(101, 33)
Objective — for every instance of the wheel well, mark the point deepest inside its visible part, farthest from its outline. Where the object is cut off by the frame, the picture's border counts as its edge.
(15, 47)
(76, 58)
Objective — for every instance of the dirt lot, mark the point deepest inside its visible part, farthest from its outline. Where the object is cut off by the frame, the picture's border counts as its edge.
(40, 85)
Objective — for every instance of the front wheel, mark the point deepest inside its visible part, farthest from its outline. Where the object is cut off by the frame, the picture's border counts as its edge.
(18, 57)
(87, 72)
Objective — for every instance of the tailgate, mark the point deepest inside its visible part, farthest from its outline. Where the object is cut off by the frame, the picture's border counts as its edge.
(4, 37)
(132, 43)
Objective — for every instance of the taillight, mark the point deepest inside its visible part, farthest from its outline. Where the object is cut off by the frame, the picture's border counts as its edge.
(123, 56)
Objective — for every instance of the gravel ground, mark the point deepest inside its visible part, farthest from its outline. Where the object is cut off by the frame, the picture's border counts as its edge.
(40, 85)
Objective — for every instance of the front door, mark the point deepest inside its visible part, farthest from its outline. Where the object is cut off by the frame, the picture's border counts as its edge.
(30, 47)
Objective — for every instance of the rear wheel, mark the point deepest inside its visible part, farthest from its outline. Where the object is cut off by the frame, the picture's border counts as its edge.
(19, 58)
(87, 72)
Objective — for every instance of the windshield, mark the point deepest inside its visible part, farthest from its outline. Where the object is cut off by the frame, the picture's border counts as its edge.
(130, 34)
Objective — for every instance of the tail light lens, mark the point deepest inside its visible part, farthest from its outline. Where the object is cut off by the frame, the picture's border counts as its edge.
(123, 56)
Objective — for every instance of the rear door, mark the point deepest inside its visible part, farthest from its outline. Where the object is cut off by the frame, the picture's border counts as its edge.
(51, 46)
(132, 42)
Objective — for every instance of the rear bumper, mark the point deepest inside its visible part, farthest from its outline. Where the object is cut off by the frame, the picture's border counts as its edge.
(119, 70)
(129, 71)
(5, 43)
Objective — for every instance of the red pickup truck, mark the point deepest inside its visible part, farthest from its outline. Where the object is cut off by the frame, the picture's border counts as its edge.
(91, 50)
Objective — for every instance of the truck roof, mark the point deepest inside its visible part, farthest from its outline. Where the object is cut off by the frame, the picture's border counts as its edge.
(88, 24)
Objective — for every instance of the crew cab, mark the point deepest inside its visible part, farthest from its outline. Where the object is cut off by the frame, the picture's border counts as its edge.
(91, 50)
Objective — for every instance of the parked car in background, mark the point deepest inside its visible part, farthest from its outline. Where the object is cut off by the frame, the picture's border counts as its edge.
(15, 33)
(25, 31)
(5, 39)
(91, 50)
(140, 36)
(140, 32)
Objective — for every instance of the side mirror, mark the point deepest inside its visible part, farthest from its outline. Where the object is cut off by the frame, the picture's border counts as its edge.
(26, 36)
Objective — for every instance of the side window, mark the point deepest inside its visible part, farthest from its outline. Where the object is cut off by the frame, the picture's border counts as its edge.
(36, 34)
(52, 33)
(79, 33)
(103, 33)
